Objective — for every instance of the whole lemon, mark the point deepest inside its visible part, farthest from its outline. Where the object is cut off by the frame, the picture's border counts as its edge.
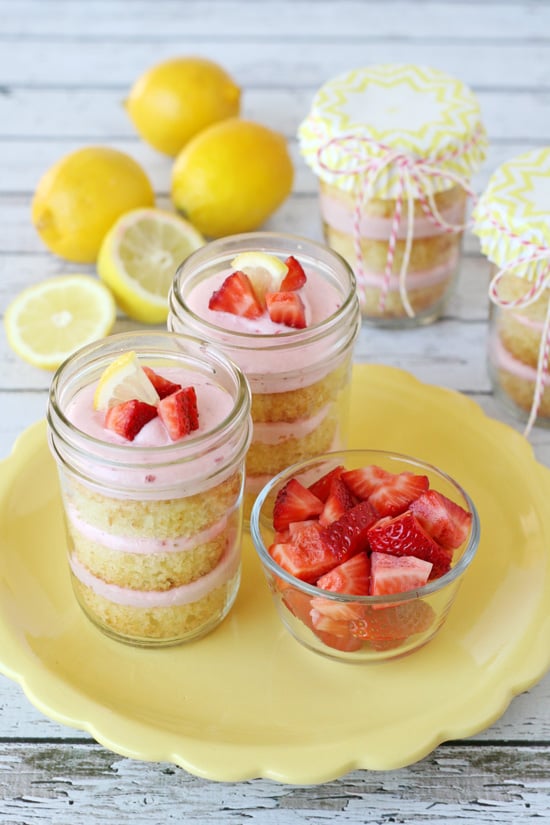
(231, 177)
(175, 99)
(79, 198)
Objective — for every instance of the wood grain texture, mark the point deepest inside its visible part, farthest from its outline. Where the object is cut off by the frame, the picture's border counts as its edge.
(65, 68)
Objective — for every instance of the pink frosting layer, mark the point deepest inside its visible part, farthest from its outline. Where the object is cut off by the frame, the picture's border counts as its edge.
(280, 358)
(320, 299)
(213, 402)
(140, 545)
(503, 359)
(338, 215)
(185, 594)
(418, 279)
(139, 476)
(277, 432)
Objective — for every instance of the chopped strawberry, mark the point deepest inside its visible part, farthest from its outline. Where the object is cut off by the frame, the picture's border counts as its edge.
(364, 480)
(447, 522)
(339, 501)
(295, 277)
(286, 308)
(307, 557)
(294, 502)
(351, 577)
(405, 536)
(393, 623)
(344, 641)
(236, 295)
(298, 603)
(179, 412)
(162, 385)
(321, 487)
(348, 535)
(394, 495)
(128, 418)
(295, 526)
(397, 574)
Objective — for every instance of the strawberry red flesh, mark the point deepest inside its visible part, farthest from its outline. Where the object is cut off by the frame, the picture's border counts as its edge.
(397, 574)
(286, 308)
(393, 496)
(307, 557)
(393, 623)
(294, 502)
(339, 501)
(364, 480)
(405, 536)
(295, 277)
(236, 296)
(447, 522)
(162, 385)
(321, 487)
(351, 577)
(179, 412)
(348, 535)
(128, 418)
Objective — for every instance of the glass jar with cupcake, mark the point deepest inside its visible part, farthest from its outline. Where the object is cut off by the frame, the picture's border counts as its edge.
(512, 220)
(150, 431)
(285, 310)
(394, 148)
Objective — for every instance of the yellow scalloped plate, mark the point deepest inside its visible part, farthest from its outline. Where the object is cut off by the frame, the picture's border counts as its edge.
(248, 701)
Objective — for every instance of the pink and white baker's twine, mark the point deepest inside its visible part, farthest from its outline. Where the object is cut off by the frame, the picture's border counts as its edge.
(533, 291)
(414, 173)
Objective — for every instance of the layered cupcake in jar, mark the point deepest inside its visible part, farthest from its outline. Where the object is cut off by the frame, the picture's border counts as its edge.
(150, 431)
(512, 220)
(285, 310)
(394, 148)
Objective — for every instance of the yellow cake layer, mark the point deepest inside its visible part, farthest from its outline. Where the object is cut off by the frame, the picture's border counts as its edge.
(157, 624)
(147, 571)
(170, 518)
(303, 402)
(521, 392)
(419, 299)
(269, 458)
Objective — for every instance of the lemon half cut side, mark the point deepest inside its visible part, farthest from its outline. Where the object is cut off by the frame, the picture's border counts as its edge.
(139, 257)
(47, 322)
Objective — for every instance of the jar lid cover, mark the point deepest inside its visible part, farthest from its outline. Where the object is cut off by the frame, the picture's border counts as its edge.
(512, 217)
(415, 111)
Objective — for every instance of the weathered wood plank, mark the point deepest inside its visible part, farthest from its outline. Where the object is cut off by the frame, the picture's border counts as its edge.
(98, 113)
(279, 62)
(84, 783)
(379, 19)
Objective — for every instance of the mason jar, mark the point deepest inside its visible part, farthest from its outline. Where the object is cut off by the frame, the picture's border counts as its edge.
(153, 524)
(299, 378)
(512, 222)
(393, 148)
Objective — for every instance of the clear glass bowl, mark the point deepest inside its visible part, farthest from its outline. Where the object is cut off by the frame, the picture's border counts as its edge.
(371, 628)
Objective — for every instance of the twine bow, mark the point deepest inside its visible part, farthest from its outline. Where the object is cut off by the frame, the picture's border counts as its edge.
(532, 293)
(414, 173)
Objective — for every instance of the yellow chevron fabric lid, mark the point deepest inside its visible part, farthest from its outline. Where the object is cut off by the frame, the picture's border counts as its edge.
(512, 217)
(417, 111)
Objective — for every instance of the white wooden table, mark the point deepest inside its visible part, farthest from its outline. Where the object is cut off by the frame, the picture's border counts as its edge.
(65, 67)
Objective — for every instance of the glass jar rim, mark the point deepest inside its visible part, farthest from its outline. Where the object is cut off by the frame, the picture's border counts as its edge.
(66, 430)
(268, 341)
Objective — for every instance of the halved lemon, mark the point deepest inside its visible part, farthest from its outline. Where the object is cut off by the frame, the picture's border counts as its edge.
(266, 272)
(139, 257)
(123, 380)
(49, 321)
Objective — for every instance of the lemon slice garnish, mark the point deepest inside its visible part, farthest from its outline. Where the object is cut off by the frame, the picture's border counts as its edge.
(266, 272)
(124, 380)
(47, 322)
(139, 257)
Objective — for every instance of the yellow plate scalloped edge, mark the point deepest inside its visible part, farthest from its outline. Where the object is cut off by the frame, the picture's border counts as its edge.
(248, 701)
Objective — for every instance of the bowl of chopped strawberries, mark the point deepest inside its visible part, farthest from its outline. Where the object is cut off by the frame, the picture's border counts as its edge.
(364, 551)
